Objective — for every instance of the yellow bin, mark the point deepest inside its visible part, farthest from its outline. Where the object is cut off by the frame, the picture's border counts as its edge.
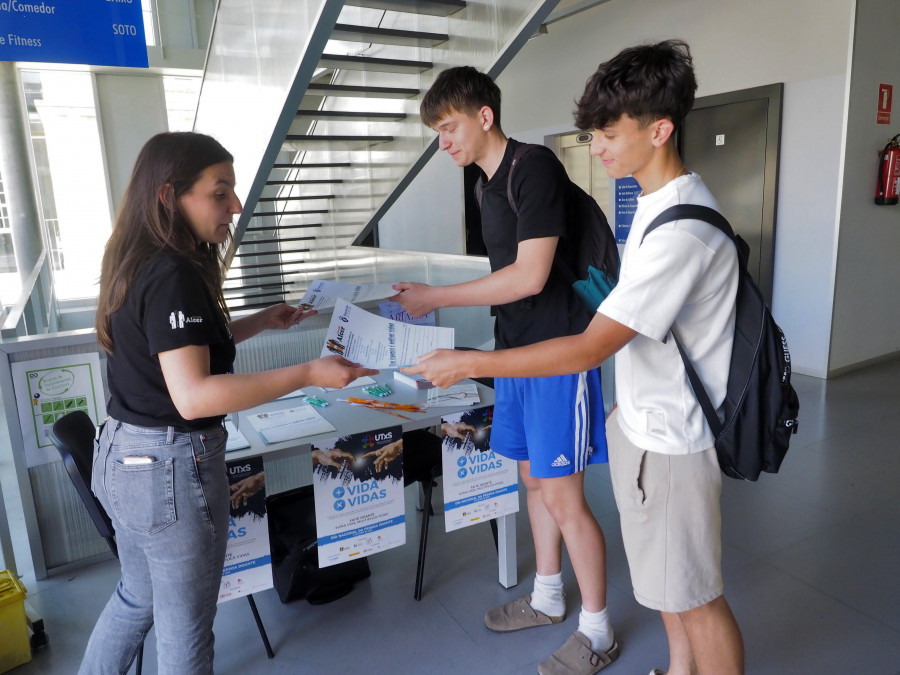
(14, 647)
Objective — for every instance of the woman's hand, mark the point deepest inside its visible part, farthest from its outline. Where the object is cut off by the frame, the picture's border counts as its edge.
(284, 316)
(335, 372)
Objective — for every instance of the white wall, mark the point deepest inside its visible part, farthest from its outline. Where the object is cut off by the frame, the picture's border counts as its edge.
(439, 227)
(736, 45)
(866, 317)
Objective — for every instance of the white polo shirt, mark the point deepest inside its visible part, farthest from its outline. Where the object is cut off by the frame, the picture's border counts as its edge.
(683, 276)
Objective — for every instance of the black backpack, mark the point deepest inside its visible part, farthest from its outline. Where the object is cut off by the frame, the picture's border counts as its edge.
(590, 247)
(760, 404)
(295, 553)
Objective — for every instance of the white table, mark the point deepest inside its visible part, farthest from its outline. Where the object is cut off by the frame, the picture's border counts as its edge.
(348, 419)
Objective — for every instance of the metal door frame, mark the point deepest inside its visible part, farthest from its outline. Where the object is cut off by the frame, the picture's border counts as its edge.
(773, 94)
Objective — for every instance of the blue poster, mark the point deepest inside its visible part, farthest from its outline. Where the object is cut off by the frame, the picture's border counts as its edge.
(627, 191)
(92, 32)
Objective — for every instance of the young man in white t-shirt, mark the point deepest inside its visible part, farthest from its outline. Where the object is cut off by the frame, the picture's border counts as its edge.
(684, 275)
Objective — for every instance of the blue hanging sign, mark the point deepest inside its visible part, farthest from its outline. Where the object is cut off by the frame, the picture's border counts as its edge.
(627, 191)
(92, 32)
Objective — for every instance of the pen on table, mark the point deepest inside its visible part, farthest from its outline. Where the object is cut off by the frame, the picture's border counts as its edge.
(378, 409)
(385, 404)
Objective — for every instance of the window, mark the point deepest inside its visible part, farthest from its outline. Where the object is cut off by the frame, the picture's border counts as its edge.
(72, 184)
(182, 95)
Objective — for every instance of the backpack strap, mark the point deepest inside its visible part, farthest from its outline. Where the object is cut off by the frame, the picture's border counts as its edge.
(717, 220)
(691, 212)
(517, 155)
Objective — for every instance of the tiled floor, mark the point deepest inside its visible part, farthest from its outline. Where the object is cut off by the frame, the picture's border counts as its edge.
(812, 571)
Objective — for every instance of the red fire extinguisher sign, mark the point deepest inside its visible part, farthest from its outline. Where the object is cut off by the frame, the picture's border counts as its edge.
(885, 94)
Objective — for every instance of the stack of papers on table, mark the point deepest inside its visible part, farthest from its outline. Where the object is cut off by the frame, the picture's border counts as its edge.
(290, 423)
(236, 440)
(458, 394)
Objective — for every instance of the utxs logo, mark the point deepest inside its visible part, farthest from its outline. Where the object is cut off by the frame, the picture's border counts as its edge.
(370, 441)
(238, 470)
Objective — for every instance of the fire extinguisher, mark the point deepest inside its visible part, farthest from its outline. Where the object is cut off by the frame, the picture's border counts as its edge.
(889, 174)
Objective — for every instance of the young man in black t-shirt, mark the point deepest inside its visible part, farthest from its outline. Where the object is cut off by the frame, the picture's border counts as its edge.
(553, 426)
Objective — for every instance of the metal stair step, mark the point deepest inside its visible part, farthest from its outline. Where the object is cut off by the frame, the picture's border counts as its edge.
(309, 181)
(431, 7)
(362, 91)
(280, 265)
(320, 165)
(336, 141)
(295, 198)
(283, 227)
(234, 295)
(352, 116)
(262, 214)
(387, 36)
(377, 64)
(275, 240)
(258, 254)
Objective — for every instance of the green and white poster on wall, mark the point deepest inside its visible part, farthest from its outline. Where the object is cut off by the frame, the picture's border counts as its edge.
(47, 389)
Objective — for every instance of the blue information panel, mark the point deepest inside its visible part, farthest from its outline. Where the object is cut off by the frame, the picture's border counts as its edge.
(94, 32)
(627, 191)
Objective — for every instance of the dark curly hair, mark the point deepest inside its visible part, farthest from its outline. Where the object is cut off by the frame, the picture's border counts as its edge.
(647, 82)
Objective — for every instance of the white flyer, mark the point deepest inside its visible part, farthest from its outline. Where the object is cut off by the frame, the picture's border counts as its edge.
(47, 389)
(358, 486)
(324, 294)
(479, 485)
(375, 342)
(455, 395)
(290, 423)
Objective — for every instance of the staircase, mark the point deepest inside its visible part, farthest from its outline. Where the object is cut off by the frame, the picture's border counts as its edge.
(347, 139)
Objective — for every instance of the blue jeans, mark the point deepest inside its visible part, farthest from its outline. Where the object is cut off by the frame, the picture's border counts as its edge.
(171, 523)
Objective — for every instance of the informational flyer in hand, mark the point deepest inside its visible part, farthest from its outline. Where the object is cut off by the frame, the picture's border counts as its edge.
(248, 559)
(358, 486)
(47, 389)
(375, 342)
(325, 294)
(479, 485)
(395, 311)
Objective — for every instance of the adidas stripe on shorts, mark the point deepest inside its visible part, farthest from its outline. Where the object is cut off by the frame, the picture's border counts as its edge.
(556, 423)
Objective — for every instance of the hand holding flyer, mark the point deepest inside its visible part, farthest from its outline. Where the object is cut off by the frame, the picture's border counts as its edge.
(374, 342)
(324, 294)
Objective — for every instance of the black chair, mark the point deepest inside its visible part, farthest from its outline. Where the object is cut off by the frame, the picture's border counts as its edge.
(73, 435)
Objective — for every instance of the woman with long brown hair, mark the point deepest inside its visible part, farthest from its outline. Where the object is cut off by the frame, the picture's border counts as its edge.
(159, 468)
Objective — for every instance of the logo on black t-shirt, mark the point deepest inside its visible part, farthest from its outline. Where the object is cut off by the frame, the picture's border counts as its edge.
(178, 319)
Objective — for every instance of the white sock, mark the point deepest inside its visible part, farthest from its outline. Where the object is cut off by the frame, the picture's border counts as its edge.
(595, 627)
(548, 596)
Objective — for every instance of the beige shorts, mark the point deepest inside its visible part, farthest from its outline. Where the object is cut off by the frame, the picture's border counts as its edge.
(671, 522)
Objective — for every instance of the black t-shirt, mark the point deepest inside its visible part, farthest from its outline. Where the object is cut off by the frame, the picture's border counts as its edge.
(539, 190)
(167, 307)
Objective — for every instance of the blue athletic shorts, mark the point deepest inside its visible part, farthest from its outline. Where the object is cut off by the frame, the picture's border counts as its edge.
(556, 423)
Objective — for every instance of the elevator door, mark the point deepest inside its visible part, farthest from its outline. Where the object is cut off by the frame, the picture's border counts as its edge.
(731, 140)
